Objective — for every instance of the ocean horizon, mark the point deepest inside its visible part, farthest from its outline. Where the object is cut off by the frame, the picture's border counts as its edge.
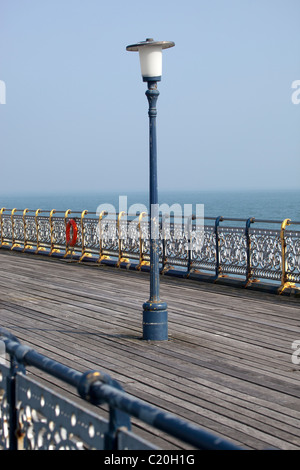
(261, 204)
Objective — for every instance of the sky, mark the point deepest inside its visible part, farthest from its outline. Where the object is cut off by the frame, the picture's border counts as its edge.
(75, 116)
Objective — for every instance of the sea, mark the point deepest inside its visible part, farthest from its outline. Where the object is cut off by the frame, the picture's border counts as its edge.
(268, 205)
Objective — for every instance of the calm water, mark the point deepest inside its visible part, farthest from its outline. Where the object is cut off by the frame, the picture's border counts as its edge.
(274, 205)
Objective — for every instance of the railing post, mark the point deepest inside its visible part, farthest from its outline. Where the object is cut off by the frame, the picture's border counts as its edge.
(37, 230)
(13, 244)
(217, 223)
(1, 222)
(84, 253)
(248, 242)
(101, 256)
(52, 244)
(190, 229)
(163, 237)
(100, 237)
(164, 263)
(284, 281)
(67, 245)
(121, 259)
(119, 237)
(83, 213)
(142, 262)
(14, 432)
(118, 419)
(25, 235)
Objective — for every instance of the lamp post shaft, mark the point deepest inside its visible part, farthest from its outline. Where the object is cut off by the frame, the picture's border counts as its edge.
(152, 95)
(155, 315)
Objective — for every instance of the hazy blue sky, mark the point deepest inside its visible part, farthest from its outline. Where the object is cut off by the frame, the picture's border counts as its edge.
(76, 118)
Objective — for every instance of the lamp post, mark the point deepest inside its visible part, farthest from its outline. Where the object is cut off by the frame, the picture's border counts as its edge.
(155, 314)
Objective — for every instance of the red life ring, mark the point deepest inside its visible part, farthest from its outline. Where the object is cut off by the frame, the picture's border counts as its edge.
(71, 225)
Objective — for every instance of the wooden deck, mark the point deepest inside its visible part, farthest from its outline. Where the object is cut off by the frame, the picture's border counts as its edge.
(227, 365)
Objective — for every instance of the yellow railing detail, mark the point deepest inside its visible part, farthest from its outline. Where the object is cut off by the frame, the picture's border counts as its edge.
(13, 243)
(68, 251)
(26, 246)
(53, 249)
(84, 251)
(101, 255)
(142, 262)
(121, 258)
(38, 247)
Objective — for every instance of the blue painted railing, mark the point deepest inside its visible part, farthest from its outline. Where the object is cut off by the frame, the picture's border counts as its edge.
(34, 417)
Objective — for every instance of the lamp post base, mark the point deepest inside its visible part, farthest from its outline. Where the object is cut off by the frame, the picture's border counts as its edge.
(155, 321)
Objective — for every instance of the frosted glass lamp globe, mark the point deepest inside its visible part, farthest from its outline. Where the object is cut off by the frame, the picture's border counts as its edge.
(150, 53)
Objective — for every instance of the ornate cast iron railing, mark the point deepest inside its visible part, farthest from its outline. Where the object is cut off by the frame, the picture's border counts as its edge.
(35, 418)
(248, 249)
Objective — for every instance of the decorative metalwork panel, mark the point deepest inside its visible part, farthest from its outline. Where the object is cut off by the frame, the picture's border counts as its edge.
(50, 422)
(7, 233)
(292, 240)
(145, 239)
(18, 225)
(176, 239)
(233, 250)
(44, 230)
(130, 238)
(265, 253)
(30, 229)
(109, 236)
(91, 231)
(203, 249)
(58, 231)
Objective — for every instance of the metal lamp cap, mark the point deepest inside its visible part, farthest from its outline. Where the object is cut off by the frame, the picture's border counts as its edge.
(150, 42)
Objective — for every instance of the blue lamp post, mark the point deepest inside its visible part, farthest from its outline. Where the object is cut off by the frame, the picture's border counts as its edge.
(155, 314)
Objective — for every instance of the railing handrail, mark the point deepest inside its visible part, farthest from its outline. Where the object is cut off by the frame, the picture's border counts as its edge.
(98, 387)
